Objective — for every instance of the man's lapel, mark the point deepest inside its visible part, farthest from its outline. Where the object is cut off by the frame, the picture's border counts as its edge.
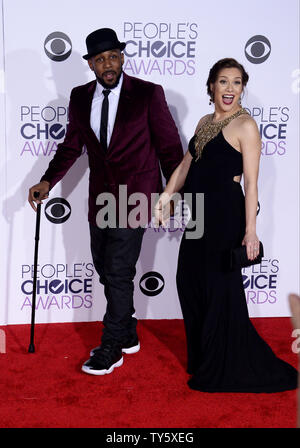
(123, 107)
(86, 112)
(87, 102)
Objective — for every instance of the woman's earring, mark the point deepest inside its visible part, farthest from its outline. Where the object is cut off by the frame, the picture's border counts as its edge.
(242, 96)
(211, 100)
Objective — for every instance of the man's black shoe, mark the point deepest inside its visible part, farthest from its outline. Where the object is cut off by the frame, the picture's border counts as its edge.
(129, 347)
(104, 360)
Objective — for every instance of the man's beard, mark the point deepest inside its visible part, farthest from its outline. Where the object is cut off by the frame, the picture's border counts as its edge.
(109, 86)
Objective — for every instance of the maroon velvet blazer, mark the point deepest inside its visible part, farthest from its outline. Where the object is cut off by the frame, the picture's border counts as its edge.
(144, 138)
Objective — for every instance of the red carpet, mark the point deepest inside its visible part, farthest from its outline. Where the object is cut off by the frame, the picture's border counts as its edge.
(47, 389)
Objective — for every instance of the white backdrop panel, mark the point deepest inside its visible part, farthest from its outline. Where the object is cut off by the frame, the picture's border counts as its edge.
(174, 45)
(3, 225)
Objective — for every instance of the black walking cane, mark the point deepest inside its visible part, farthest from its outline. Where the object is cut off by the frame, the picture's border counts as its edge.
(31, 348)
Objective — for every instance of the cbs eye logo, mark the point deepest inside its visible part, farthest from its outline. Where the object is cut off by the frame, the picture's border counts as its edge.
(58, 46)
(58, 210)
(152, 283)
(258, 49)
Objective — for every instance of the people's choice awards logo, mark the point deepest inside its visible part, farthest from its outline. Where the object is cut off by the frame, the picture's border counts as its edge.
(272, 122)
(258, 49)
(261, 282)
(152, 283)
(42, 128)
(59, 286)
(58, 210)
(160, 48)
(58, 46)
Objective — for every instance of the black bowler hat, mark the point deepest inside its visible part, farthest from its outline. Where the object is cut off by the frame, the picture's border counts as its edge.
(102, 40)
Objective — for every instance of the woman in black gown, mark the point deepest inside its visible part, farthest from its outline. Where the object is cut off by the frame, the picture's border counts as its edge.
(225, 353)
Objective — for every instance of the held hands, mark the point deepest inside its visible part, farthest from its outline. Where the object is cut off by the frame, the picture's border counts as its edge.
(251, 241)
(43, 193)
(163, 210)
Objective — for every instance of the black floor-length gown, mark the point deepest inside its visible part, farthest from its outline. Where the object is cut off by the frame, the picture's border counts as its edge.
(225, 352)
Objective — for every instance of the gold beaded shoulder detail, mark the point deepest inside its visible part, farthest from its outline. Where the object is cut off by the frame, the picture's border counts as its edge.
(210, 130)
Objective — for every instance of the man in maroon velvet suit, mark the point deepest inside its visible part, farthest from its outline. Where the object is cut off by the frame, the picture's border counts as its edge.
(129, 134)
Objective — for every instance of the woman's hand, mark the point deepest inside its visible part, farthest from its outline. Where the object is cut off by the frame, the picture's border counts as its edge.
(163, 210)
(165, 206)
(251, 241)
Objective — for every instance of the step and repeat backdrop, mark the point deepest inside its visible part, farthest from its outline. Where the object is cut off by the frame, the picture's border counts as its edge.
(172, 44)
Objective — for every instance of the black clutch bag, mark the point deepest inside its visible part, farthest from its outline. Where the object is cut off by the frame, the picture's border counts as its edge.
(239, 259)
